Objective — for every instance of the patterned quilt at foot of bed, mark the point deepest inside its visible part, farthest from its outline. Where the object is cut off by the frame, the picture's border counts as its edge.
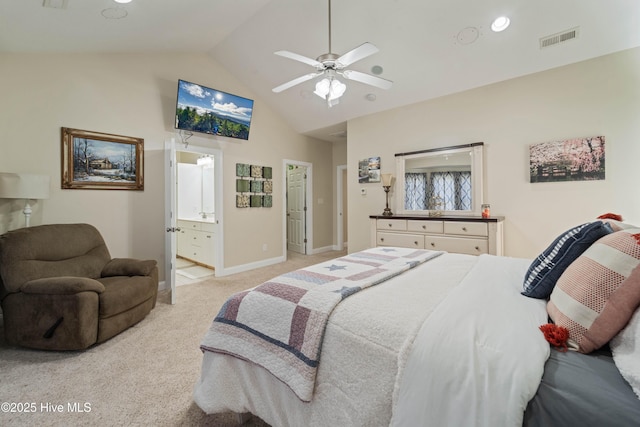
(279, 325)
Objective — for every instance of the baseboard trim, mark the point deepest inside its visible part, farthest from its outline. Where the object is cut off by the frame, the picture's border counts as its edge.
(251, 266)
(322, 250)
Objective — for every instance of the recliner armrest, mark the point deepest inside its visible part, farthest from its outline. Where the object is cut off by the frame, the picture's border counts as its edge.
(128, 267)
(64, 285)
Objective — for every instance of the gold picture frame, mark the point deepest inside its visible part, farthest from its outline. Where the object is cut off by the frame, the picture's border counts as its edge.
(101, 161)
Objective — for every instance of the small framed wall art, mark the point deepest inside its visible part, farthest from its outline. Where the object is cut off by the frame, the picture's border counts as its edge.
(369, 170)
(254, 186)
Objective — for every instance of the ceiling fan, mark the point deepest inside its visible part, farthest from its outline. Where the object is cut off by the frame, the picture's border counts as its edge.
(330, 66)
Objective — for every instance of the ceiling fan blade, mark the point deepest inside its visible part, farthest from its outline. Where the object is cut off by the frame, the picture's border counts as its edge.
(367, 79)
(360, 52)
(300, 58)
(296, 81)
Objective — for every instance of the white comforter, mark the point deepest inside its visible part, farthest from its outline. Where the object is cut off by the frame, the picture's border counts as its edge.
(479, 357)
(368, 341)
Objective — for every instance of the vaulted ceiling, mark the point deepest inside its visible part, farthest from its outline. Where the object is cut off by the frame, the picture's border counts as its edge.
(428, 48)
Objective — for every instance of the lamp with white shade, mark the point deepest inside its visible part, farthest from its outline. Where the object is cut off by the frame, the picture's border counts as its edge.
(24, 186)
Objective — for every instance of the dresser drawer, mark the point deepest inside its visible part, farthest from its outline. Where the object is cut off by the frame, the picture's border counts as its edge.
(466, 228)
(457, 244)
(401, 240)
(435, 227)
(392, 224)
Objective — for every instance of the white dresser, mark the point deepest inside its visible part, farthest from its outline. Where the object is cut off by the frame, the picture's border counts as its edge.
(195, 241)
(466, 235)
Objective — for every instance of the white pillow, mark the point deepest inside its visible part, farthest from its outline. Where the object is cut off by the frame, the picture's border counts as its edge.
(626, 352)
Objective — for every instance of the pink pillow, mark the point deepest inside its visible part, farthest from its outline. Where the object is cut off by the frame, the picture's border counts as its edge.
(598, 293)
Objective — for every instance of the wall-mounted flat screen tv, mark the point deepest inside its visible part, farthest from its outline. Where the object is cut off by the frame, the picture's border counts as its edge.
(210, 111)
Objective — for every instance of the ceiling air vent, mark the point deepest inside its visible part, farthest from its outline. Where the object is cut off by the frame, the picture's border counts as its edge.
(341, 134)
(55, 4)
(558, 38)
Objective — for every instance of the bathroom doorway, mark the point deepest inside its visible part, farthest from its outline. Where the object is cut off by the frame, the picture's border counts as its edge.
(199, 220)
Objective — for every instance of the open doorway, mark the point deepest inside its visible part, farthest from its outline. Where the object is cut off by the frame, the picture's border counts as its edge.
(298, 211)
(200, 220)
(195, 207)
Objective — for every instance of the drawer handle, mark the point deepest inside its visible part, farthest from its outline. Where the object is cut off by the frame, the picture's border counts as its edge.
(433, 244)
(424, 227)
(478, 248)
(415, 243)
(382, 239)
(464, 228)
(208, 237)
(390, 225)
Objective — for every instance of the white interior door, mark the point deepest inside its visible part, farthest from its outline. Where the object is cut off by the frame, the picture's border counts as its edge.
(341, 206)
(296, 208)
(170, 241)
(171, 209)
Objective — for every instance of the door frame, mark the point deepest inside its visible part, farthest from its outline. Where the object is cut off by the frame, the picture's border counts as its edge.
(308, 198)
(339, 207)
(171, 149)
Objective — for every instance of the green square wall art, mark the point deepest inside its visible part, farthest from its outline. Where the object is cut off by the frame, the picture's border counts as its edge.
(267, 201)
(242, 169)
(242, 185)
(256, 186)
(256, 201)
(267, 172)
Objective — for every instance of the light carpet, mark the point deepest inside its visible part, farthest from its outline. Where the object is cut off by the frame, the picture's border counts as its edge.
(143, 376)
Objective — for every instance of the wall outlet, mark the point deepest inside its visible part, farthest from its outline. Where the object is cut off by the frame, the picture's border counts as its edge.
(264, 247)
(363, 191)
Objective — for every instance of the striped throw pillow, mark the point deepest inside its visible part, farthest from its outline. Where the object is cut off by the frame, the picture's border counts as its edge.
(598, 293)
(546, 269)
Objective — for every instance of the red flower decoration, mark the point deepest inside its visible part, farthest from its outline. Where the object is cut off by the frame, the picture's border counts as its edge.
(611, 216)
(556, 335)
(637, 237)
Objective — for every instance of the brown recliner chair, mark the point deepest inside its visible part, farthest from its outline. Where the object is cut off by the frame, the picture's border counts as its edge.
(60, 289)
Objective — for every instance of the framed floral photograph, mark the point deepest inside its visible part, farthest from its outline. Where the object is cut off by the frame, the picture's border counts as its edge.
(577, 159)
(101, 161)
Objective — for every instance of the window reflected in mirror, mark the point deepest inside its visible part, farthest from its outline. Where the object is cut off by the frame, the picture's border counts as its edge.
(441, 180)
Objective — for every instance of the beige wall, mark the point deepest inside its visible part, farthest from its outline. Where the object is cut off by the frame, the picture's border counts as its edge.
(595, 97)
(134, 95)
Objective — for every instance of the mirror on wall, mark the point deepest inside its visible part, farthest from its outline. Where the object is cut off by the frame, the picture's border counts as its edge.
(195, 185)
(445, 180)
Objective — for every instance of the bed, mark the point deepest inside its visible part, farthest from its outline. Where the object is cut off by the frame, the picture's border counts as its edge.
(449, 340)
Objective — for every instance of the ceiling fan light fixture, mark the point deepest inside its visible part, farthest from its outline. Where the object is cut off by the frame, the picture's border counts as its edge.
(330, 89)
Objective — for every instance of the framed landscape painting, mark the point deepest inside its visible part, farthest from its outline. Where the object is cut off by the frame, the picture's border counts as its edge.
(579, 159)
(101, 161)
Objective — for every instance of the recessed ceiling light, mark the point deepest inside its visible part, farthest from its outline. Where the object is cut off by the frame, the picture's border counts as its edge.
(500, 24)
(122, 1)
